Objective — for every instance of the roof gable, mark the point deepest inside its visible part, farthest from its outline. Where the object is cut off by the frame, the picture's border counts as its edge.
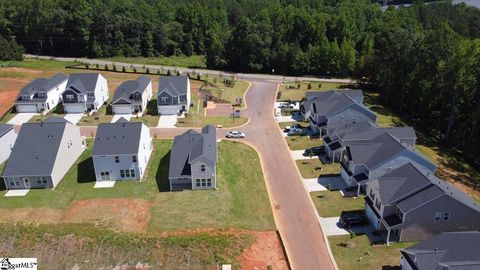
(119, 138)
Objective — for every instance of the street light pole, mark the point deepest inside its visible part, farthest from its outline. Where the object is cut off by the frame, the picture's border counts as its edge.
(233, 114)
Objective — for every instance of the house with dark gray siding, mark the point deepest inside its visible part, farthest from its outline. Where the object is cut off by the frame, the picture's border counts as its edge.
(319, 96)
(337, 110)
(7, 140)
(365, 160)
(42, 154)
(193, 160)
(132, 96)
(409, 204)
(336, 141)
(173, 95)
(121, 150)
(445, 251)
(84, 92)
(41, 95)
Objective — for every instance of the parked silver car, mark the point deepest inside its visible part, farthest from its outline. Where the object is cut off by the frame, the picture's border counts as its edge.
(235, 134)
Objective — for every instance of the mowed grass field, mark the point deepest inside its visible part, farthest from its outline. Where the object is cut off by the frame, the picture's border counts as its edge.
(241, 200)
(296, 94)
(194, 61)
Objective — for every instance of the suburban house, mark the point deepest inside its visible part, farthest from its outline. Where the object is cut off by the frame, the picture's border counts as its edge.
(173, 95)
(193, 160)
(445, 251)
(336, 141)
(84, 92)
(41, 95)
(7, 140)
(311, 96)
(411, 205)
(337, 110)
(121, 150)
(132, 96)
(364, 160)
(42, 154)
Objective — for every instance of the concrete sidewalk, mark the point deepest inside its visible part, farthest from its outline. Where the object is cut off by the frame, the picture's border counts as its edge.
(21, 118)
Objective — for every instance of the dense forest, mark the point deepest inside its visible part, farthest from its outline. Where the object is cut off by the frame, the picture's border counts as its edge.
(424, 60)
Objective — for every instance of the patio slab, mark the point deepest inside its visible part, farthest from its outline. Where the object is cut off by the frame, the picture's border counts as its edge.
(17, 193)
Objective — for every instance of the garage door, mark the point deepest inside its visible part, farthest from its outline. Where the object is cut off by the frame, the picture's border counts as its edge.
(168, 110)
(126, 109)
(26, 108)
(74, 108)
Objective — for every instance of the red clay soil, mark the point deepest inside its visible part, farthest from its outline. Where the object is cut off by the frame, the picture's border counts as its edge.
(7, 99)
(266, 251)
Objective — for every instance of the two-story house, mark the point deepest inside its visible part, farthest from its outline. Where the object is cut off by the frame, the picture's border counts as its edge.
(7, 140)
(193, 160)
(173, 95)
(411, 205)
(41, 95)
(132, 96)
(364, 160)
(318, 96)
(42, 154)
(444, 251)
(121, 150)
(336, 141)
(339, 109)
(84, 92)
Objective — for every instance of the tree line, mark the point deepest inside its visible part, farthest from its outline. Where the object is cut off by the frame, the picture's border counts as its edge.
(424, 60)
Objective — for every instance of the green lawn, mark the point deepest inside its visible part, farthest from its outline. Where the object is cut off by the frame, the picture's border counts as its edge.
(297, 94)
(332, 203)
(196, 117)
(40, 64)
(71, 246)
(103, 115)
(282, 125)
(313, 168)
(221, 91)
(302, 142)
(194, 61)
(241, 200)
(385, 118)
(357, 253)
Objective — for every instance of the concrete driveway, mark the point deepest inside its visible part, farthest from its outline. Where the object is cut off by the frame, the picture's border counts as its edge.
(331, 227)
(74, 118)
(118, 116)
(167, 121)
(324, 183)
(298, 154)
(295, 117)
(21, 118)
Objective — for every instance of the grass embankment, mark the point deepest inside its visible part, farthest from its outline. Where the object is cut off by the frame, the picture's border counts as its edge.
(227, 93)
(332, 203)
(297, 94)
(314, 168)
(194, 61)
(69, 246)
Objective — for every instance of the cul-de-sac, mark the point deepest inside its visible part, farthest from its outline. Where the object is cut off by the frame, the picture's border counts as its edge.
(276, 134)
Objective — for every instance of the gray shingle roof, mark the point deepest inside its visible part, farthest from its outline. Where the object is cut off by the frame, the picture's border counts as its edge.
(174, 85)
(35, 149)
(127, 88)
(42, 85)
(119, 138)
(455, 250)
(419, 198)
(4, 128)
(372, 132)
(83, 82)
(190, 146)
(337, 103)
(399, 183)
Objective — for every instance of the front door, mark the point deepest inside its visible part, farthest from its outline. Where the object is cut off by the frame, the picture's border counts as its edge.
(26, 181)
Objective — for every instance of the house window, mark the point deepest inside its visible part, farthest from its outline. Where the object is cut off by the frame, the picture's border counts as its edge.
(41, 94)
(446, 216)
(122, 173)
(132, 173)
(209, 182)
(42, 180)
(127, 173)
(105, 175)
(377, 204)
(117, 159)
(164, 100)
(91, 95)
(202, 168)
(204, 182)
(183, 97)
(134, 159)
(198, 182)
(69, 97)
(15, 182)
(136, 96)
(438, 216)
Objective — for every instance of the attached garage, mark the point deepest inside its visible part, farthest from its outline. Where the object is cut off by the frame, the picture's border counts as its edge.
(122, 109)
(26, 108)
(168, 110)
(74, 108)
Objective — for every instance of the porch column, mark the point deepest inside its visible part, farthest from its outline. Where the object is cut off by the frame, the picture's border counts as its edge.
(388, 237)
(358, 189)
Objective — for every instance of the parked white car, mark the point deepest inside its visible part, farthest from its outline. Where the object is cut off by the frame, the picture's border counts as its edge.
(235, 134)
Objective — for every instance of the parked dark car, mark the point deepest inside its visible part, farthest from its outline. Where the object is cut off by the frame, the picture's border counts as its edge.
(348, 220)
(314, 151)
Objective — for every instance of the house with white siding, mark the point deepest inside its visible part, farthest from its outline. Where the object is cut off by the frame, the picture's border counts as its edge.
(121, 151)
(85, 92)
(132, 96)
(41, 95)
(7, 140)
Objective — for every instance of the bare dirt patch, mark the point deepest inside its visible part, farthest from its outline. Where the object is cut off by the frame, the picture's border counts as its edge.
(32, 215)
(266, 251)
(7, 99)
(17, 69)
(126, 215)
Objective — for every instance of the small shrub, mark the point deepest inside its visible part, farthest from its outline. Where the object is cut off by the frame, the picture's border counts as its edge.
(178, 73)
(87, 66)
(298, 86)
(124, 70)
(279, 95)
(319, 85)
(135, 70)
(97, 66)
(158, 71)
(106, 67)
(114, 68)
(309, 86)
(198, 77)
(169, 73)
(147, 71)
